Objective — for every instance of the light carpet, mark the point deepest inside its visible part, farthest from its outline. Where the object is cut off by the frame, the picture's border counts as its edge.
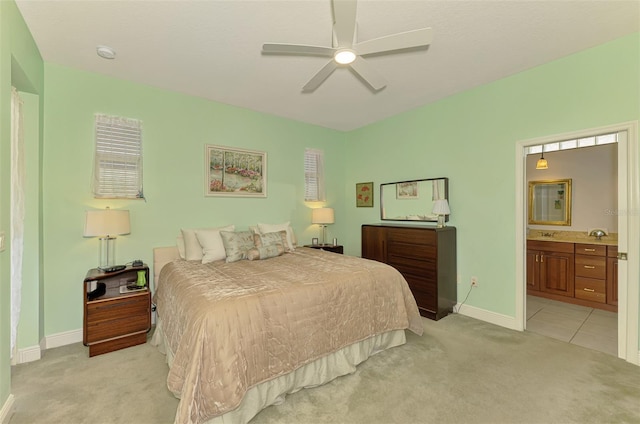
(460, 371)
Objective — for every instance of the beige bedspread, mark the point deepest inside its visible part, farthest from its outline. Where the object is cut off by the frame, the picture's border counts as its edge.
(232, 326)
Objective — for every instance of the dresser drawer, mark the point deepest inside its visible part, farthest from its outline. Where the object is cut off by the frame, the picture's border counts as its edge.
(590, 289)
(104, 330)
(425, 292)
(411, 236)
(591, 266)
(416, 268)
(115, 309)
(416, 251)
(591, 249)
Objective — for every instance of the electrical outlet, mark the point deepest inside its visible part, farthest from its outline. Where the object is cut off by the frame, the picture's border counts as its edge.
(474, 281)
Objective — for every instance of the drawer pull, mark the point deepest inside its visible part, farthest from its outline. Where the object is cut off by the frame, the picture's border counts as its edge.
(590, 267)
(589, 250)
(588, 290)
(537, 260)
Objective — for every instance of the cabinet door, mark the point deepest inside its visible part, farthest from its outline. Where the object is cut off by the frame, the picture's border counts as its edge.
(533, 270)
(557, 273)
(374, 243)
(612, 281)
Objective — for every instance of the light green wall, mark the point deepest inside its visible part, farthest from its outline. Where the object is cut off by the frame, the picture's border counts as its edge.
(471, 138)
(175, 130)
(22, 67)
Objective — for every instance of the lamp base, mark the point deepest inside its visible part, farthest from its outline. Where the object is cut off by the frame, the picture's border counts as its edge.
(107, 252)
(441, 221)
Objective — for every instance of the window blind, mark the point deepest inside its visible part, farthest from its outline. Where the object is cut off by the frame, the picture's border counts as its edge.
(118, 158)
(314, 175)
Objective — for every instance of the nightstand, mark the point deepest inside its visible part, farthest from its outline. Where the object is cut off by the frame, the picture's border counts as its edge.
(117, 318)
(328, 247)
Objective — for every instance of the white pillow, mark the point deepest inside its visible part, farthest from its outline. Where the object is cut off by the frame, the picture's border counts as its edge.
(272, 228)
(180, 245)
(211, 242)
(192, 248)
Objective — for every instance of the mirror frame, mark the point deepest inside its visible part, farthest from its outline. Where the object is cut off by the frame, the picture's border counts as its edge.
(536, 220)
(382, 209)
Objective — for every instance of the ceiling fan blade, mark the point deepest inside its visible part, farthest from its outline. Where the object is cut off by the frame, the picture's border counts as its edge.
(320, 76)
(368, 74)
(279, 48)
(402, 40)
(344, 14)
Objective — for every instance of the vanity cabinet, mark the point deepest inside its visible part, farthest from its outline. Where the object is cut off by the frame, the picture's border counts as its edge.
(550, 267)
(579, 273)
(426, 258)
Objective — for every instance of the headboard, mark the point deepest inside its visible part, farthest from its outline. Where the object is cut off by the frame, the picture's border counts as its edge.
(161, 257)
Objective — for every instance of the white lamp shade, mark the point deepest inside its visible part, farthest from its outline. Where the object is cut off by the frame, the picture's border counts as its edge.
(322, 216)
(106, 222)
(441, 207)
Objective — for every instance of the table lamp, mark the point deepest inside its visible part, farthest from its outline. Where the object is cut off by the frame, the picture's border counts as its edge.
(441, 208)
(106, 224)
(322, 217)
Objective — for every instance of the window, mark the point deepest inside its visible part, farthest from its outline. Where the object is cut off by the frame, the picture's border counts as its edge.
(573, 144)
(118, 161)
(314, 175)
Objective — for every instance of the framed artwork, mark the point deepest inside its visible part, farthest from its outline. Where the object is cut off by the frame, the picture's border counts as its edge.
(364, 195)
(235, 172)
(407, 190)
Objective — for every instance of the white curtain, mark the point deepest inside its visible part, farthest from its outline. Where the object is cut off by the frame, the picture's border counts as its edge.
(17, 211)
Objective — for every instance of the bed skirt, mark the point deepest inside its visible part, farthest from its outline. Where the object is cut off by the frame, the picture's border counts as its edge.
(313, 374)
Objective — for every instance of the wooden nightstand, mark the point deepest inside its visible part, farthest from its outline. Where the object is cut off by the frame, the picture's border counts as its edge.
(328, 247)
(115, 320)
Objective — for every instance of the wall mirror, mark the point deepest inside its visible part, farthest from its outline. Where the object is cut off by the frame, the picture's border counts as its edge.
(412, 200)
(550, 202)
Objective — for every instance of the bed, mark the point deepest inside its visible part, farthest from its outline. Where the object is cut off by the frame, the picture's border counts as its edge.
(240, 336)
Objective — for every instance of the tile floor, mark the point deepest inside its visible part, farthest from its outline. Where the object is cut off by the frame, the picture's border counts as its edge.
(587, 327)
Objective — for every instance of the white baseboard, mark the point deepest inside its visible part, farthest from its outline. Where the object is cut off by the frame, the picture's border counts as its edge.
(63, 339)
(28, 354)
(488, 316)
(7, 410)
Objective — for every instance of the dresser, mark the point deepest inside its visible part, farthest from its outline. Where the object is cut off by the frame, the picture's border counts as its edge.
(425, 256)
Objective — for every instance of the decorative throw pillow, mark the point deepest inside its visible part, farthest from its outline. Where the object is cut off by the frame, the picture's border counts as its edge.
(237, 244)
(270, 228)
(192, 249)
(265, 252)
(212, 246)
(269, 239)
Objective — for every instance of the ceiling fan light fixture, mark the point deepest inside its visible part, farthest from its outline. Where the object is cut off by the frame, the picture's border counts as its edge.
(345, 56)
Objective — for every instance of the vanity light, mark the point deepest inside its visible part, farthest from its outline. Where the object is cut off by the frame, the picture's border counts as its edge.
(542, 162)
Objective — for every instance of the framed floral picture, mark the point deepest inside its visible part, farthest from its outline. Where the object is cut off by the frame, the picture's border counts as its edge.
(364, 195)
(235, 172)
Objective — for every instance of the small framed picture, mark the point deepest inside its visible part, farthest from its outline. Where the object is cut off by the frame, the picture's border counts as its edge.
(314, 241)
(364, 195)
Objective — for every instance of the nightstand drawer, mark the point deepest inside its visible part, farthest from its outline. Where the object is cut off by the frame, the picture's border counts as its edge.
(115, 309)
(104, 330)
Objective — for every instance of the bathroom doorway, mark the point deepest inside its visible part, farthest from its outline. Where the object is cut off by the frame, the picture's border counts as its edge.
(628, 240)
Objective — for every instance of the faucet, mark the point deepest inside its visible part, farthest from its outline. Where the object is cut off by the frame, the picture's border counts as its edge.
(597, 234)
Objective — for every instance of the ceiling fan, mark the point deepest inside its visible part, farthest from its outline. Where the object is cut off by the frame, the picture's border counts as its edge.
(346, 52)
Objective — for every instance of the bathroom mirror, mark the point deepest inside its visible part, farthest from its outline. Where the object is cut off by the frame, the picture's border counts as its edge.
(550, 202)
(412, 200)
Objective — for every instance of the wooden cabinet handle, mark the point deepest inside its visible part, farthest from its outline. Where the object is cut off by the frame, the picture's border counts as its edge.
(589, 250)
(590, 267)
(588, 290)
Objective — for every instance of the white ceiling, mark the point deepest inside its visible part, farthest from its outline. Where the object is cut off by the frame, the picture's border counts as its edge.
(212, 49)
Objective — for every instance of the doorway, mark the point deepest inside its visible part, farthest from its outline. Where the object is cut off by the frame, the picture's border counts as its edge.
(628, 227)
